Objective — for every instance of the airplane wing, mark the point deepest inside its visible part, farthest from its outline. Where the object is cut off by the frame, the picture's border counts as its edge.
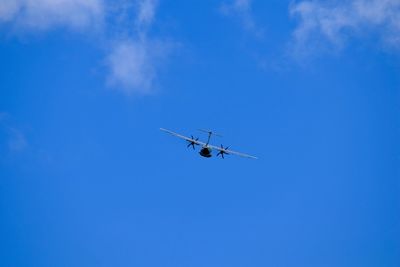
(184, 137)
(231, 152)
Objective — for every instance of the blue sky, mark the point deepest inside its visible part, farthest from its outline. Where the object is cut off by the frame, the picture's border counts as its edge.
(310, 87)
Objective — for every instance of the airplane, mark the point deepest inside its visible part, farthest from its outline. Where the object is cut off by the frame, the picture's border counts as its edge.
(206, 148)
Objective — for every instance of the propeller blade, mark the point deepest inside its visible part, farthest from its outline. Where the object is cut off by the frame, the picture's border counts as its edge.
(191, 144)
(221, 152)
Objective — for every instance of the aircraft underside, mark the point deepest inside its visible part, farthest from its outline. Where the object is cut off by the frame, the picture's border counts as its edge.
(205, 152)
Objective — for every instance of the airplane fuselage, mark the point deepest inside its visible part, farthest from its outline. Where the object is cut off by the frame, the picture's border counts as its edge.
(205, 152)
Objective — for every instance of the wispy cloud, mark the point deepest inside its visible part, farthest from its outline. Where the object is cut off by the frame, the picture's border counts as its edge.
(132, 56)
(45, 14)
(134, 60)
(13, 138)
(17, 141)
(334, 22)
(132, 66)
(146, 13)
(242, 9)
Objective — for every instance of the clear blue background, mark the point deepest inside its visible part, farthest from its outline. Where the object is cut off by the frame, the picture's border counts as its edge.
(99, 185)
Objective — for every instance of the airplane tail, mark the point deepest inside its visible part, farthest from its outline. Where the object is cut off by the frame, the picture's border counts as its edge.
(209, 132)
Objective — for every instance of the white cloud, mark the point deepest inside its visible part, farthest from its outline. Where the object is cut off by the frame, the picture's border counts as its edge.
(8, 9)
(134, 64)
(242, 9)
(335, 21)
(131, 67)
(146, 12)
(45, 14)
(133, 60)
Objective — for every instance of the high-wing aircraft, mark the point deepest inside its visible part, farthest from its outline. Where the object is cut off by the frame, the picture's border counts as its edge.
(206, 148)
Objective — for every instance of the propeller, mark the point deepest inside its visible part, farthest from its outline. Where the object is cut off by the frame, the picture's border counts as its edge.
(192, 143)
(223, 151)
